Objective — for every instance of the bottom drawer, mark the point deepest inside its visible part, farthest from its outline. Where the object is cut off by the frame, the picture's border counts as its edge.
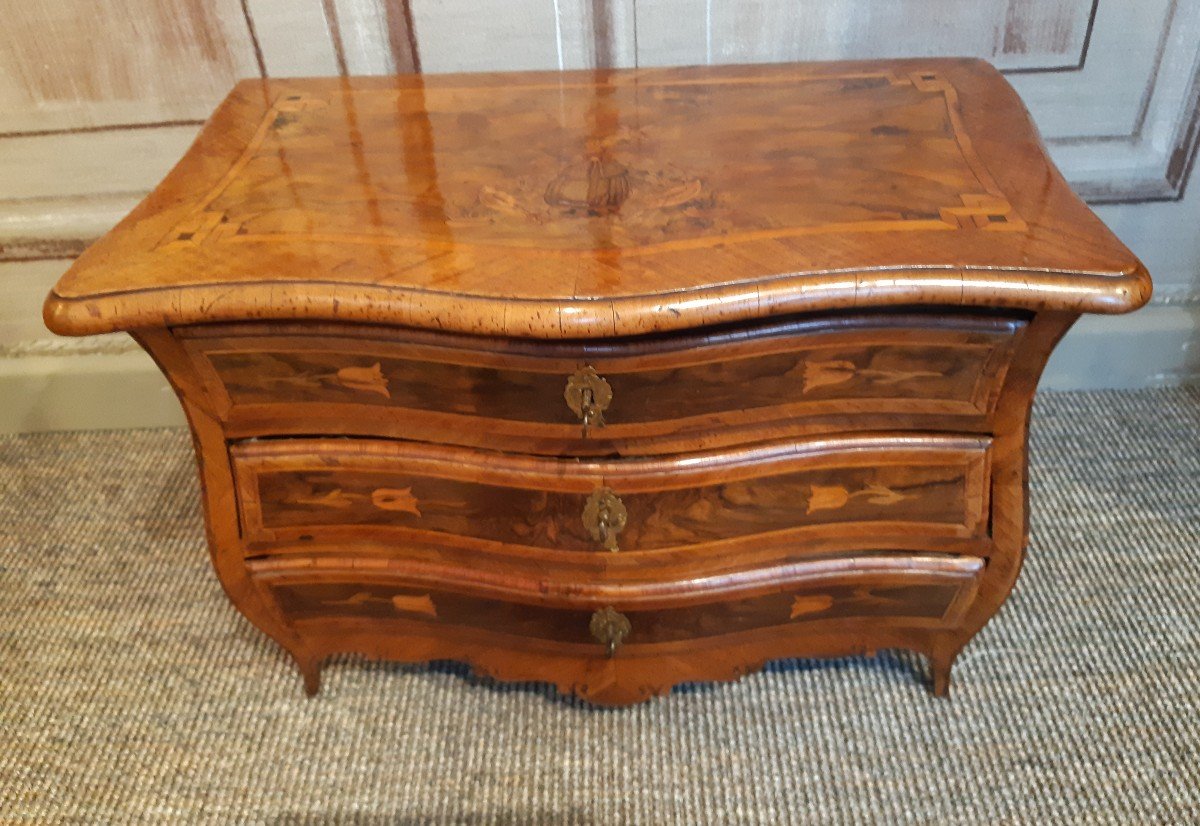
(625, 618)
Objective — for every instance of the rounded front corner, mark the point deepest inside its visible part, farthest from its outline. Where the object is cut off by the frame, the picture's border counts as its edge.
(59, 316)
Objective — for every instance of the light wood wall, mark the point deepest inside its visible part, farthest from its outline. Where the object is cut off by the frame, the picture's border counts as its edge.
(99, 98)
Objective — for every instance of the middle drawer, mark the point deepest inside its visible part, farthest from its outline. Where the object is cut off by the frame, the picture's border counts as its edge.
(855, 490)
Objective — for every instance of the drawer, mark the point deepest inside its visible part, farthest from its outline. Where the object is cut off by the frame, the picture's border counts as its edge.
(649, 395)
(856, 490)
(897, 590)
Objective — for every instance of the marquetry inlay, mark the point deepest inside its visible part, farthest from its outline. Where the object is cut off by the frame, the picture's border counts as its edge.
(612, 379)
(652, 168)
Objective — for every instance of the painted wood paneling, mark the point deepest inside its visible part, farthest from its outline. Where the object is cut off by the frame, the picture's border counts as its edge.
(293, 37)
(466, 36)
(77, 63)
(1020, 34)
(526, 34)
(68, 188)
(1118, 150)
(23, 287)
(90, 163)
(598, 33)
(1104, 96)
(376, 37)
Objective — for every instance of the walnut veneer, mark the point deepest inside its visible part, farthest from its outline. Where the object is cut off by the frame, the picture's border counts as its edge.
(613, 379)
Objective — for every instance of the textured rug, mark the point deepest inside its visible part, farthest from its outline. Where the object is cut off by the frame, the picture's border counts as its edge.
(130, 690)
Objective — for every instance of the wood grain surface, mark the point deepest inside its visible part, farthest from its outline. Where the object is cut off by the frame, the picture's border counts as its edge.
(613, 380)
(826, 606)
(605, 203)
(301, 490)
(726, 386)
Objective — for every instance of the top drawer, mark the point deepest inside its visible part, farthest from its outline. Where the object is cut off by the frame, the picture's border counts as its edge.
(646, 395)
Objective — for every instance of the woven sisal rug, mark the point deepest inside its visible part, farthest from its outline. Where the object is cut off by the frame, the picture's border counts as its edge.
(130, 691)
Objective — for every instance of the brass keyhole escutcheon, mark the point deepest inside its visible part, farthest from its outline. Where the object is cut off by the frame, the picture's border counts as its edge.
(588, 395)
(610, 628)
(604, 516)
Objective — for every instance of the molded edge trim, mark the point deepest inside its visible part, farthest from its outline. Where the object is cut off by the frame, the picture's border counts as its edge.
(573, 318)
(637, 474)
(629, 595)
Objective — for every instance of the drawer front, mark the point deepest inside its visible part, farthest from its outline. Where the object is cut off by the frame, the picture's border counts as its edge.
(833, 374)
(297, 491)
(900, 590)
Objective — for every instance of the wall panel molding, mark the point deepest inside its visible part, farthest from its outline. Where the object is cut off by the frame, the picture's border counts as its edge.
(1114, 85)
(1077, 65)
(373, 37)
(1153, 159)
(108, 345)
(79, 64)
(67, 189)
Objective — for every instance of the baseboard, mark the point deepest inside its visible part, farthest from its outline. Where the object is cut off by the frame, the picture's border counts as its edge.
(95, 391)
(1157, 346)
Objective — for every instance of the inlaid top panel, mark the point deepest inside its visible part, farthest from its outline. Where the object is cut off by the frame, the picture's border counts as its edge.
(585, 204)
(643, 169)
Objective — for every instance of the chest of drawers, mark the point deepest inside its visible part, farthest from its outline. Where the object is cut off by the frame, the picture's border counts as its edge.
(612, 380)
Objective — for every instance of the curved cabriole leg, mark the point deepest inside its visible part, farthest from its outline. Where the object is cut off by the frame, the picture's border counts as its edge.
(310, 670)
(217, 488)
(941, 660)
(1010, 497)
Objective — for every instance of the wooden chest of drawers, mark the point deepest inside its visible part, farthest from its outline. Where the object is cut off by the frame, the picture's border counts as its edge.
(611, 380)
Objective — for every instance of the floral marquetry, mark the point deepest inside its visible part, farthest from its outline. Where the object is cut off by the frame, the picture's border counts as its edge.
(617, 202)
(611, 379)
